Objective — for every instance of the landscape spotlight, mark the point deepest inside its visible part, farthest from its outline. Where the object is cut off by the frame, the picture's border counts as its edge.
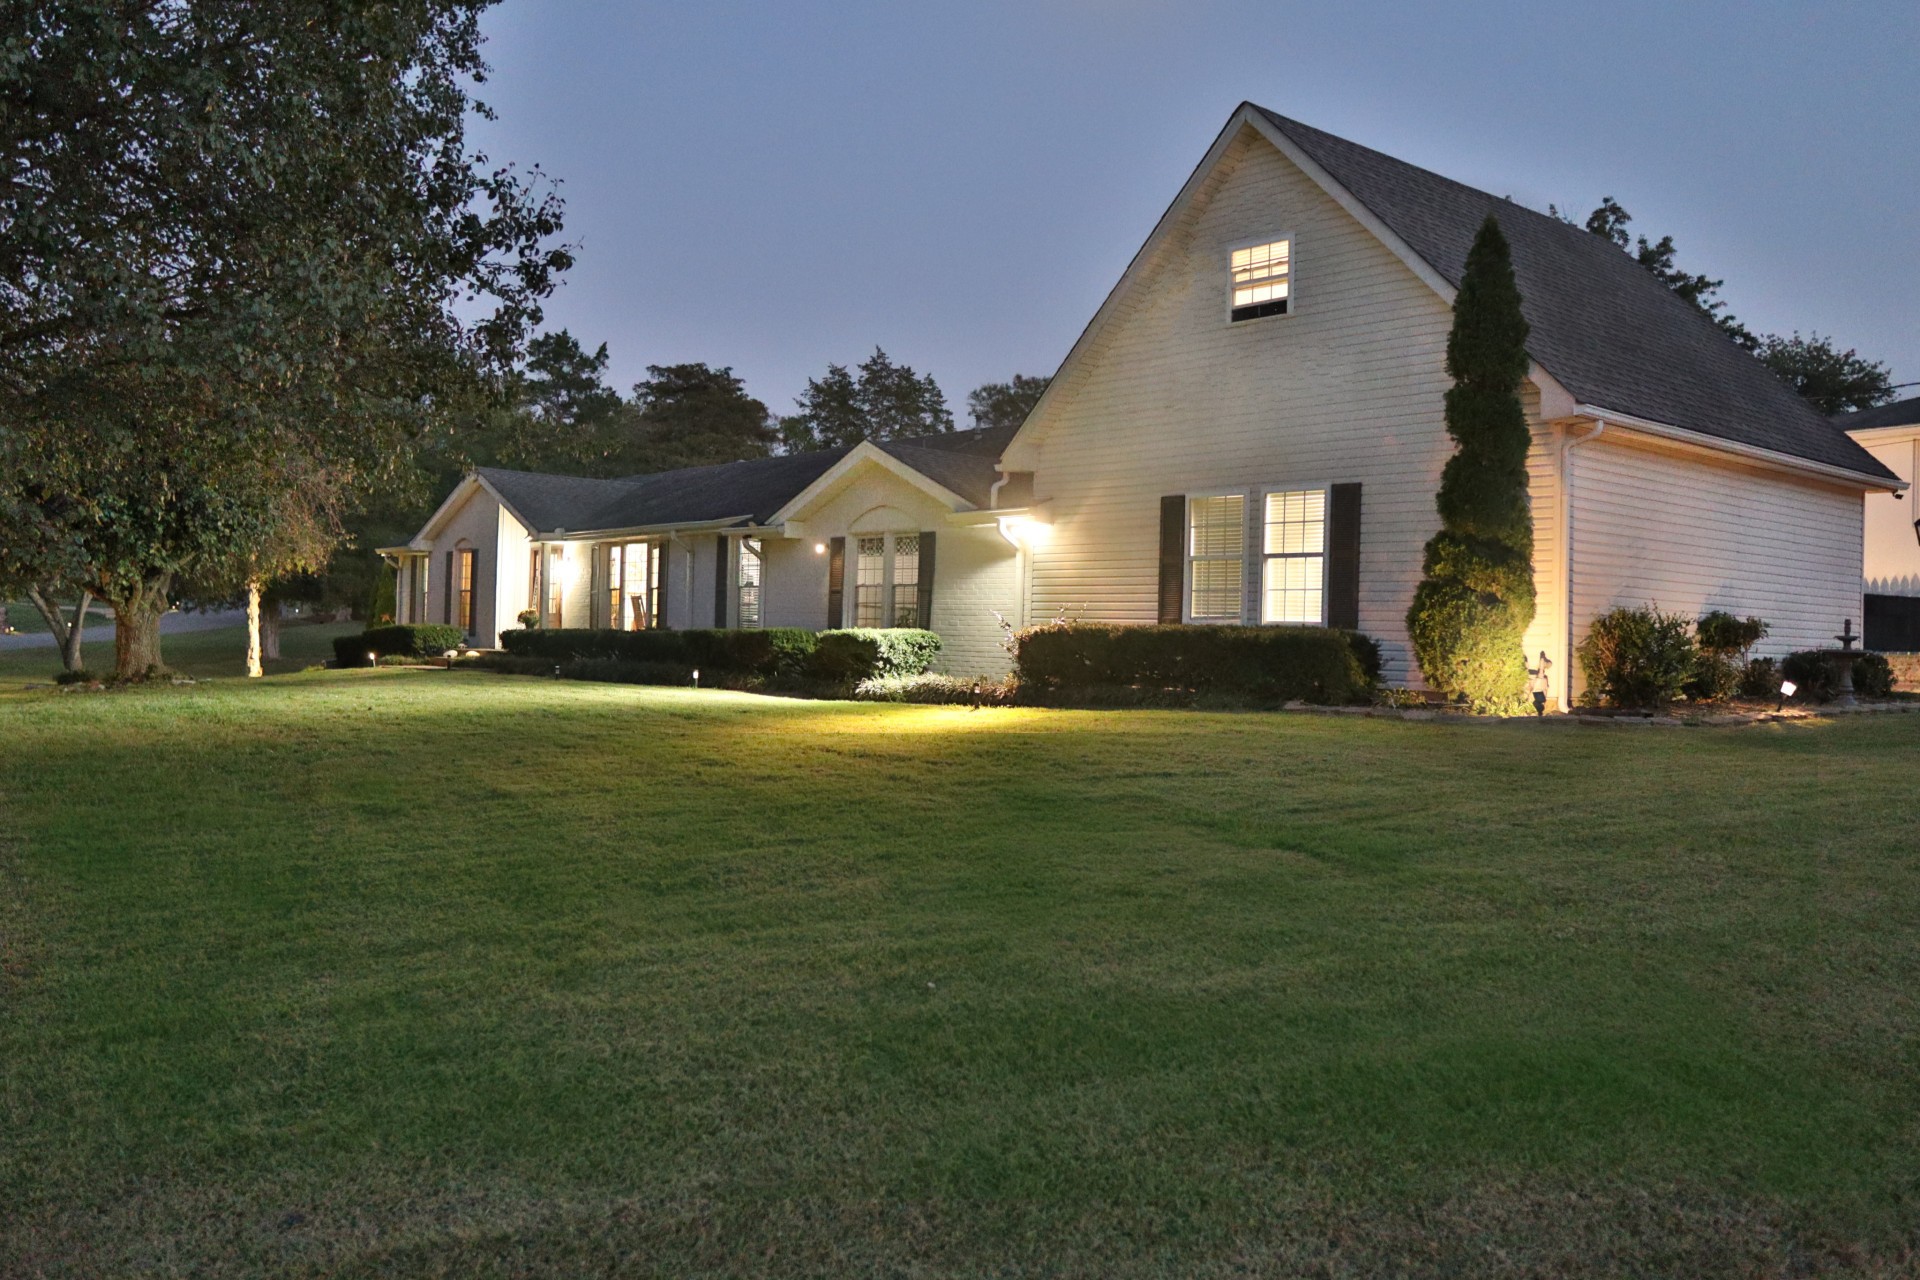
(1787, 689)
(696, 677)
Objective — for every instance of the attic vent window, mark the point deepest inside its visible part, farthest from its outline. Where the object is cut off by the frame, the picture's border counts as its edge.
(1260, 279)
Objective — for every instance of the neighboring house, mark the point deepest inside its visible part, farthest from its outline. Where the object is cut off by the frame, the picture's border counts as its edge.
(1250, 430)
(1891, 571)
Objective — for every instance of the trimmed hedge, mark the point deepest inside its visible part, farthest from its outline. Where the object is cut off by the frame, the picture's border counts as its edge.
(421, 640)
(1280, 664)
(777, 653)
(1638, 658)
(866, 653)
(1814, 671)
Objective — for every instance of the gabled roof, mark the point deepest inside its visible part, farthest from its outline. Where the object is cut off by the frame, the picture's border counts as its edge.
(1602, 324)
(1603, 327)
(747, 492)
(1901, 413)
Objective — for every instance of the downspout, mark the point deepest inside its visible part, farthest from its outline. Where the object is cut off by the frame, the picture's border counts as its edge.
(1566, 555)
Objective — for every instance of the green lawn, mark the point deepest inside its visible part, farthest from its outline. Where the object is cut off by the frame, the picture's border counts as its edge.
(445, 973)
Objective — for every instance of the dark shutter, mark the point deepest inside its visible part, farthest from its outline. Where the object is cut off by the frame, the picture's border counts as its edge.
(836, 582)
(1173, 555)
(599, 565)
(666, 576)
(446, 602)
(720, 577)
(1343, 557)
(926, 580)
(478, 596)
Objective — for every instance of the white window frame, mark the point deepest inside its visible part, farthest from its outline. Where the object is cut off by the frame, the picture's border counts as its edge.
(1293, 269)
(850, 605)
(1257, 594)
(1253, 554)
(740, 554)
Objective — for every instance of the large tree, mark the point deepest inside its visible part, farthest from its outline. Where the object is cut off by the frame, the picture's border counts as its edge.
(1006, 404)
(1472, 607)
(235, 238)
(1610, 220)
(883, 401)
(1834, 381)
(693, 415)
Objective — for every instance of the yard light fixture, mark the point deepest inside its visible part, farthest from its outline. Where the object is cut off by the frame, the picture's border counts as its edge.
(373, 659)
(696, 677)
(1787, 689)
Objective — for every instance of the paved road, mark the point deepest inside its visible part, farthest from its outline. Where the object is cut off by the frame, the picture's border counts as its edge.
(101, 633)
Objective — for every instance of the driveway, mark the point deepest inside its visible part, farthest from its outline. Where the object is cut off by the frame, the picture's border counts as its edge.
(101, 633)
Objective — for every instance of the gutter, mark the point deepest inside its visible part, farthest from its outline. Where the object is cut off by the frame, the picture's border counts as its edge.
(1770, 458)
(1567, 446)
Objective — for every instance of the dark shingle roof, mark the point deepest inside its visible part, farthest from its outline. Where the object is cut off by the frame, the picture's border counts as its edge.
(1901, 413)
(1602, 324)
(962, 461)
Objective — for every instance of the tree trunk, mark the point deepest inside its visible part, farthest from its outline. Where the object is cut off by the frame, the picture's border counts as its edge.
(254, 671)
(136, 631)
(66, 635)
(270, 631)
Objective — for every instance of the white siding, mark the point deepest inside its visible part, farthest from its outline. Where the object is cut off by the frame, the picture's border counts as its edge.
(509, 594)
(1172, 398)
(476, 523)
(1690, 534)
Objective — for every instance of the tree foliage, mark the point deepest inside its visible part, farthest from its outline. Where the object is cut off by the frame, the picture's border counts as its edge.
(880, 401)
(1834, 381)
(234, 237)
(1610, 222)
(1474, 603)
(1006, 404)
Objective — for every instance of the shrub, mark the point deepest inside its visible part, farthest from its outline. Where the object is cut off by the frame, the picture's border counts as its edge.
(1720, 672)
(1722, 634)
(1760, 678)
(861, 653)
(528, 619)
(774, 652)
(413, 640)
(928, 687)
(1638, 658)
(350, 651)
(1277, 664)
(1816, 673)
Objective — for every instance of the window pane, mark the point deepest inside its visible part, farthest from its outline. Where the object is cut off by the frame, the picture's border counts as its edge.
(1296, 522)
(1216, 590)
(869, 580)
(1292, 591)
(1217, 525)
(906, 580)
(750, 571)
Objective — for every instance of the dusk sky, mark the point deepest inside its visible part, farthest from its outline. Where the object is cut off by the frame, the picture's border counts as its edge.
(776, 186)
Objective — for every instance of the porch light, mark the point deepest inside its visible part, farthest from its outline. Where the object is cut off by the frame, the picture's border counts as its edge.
(819, 548)
(1025, 531)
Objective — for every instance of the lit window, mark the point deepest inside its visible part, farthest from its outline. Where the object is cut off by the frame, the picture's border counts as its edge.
(751, 568)
(1260, 280)
(1216, 557)
(1294, 554)
(633, 585)
(906, 580)
(869, 582)
(464, 571)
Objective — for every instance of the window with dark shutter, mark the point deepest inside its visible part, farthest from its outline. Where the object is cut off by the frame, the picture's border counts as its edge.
(446, 601)
(1173, 556)
(925, 584)
(1343, 557)
(836, 582)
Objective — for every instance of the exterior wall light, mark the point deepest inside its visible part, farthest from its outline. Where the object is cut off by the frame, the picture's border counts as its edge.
(819, 548)
(1025, 531)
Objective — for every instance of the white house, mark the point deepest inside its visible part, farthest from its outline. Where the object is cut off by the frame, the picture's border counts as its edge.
(1891, 569)
(1249, 430)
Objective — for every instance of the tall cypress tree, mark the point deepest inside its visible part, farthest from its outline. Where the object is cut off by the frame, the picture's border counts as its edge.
(1473, 607)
